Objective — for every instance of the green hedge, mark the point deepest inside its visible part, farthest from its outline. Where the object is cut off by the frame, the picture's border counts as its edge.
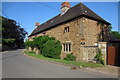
(48, 46)
(70, 57)
(52, 49)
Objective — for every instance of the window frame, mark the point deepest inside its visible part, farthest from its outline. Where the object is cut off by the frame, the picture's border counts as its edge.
(67, 47)
(66, 29)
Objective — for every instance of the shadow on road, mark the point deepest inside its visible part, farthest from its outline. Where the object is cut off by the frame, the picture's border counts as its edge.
(9, 50)
(9, 57)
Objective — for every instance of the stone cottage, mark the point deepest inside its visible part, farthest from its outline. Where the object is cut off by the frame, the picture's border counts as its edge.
(78, 28)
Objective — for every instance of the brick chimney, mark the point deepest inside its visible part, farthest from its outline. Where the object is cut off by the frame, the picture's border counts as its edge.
(37, 24)
(64, 7)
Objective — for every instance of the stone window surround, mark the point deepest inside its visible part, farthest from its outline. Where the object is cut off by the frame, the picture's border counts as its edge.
(67, 42)
(66, 29)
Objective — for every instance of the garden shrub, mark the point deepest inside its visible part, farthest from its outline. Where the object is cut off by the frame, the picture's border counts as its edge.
(39, 41)
(52, 49)
(70, 57)
(48, 46)
(99, 58)
(29, 44)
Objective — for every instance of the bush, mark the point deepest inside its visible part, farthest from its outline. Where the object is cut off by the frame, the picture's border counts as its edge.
(52, 49)
(41, 40)
(70, 57)
(29, 44)
(99, 58)
(48, 46)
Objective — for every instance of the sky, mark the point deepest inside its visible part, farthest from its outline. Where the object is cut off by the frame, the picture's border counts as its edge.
(28, 13)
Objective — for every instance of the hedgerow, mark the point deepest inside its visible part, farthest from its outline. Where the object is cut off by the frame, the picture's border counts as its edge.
(52, 49)
(48, 46)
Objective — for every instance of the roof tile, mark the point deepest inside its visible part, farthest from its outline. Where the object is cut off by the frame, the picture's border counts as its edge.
(76, 11)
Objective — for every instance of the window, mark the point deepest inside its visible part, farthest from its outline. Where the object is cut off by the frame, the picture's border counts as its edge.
(43, 33)
(66, 29)
(67, 47)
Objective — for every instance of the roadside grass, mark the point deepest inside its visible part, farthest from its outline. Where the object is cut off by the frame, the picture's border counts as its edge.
(74, 63)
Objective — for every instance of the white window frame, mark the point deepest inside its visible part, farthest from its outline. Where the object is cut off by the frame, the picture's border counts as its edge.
(67, 47)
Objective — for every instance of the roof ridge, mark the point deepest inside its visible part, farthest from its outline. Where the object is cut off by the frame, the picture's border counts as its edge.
(91, 11)
(75, 11)
(60, 13)
(81, 6)
(50, 19)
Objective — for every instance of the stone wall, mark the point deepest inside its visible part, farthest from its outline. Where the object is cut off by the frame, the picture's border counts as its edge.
(80, 28)
(89, 52)
(72, 36)
(92, 32)
(103, 47)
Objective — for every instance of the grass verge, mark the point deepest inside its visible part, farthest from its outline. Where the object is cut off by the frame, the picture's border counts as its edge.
(75, 63)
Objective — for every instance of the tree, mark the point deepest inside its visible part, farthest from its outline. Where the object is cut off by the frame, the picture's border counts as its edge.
(12, 34)
(110, 28)
(114, 33)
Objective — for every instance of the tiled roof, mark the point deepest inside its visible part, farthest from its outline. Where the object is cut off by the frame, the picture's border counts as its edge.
(79, 10)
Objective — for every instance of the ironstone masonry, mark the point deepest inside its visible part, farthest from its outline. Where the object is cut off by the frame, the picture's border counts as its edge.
(78, 28)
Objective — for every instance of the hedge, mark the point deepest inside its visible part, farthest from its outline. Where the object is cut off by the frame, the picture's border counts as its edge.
(48, 46)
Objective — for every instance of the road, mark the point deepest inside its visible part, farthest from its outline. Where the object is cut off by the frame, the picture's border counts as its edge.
(17, 65)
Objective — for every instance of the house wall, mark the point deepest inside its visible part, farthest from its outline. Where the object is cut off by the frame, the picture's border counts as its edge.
(92, 31)
(81, 28)
(72, 36)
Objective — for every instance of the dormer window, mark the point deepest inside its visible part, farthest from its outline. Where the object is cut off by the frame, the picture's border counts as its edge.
(66, 29)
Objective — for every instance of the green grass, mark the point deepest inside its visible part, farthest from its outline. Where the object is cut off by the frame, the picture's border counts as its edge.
(75, 63)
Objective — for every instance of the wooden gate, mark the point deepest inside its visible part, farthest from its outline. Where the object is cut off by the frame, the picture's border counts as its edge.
(113, 56)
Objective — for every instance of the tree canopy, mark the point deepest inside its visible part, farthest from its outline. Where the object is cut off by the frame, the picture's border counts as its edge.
(12, 33)
(115, 34)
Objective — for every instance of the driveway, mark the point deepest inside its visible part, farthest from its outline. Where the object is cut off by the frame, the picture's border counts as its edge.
(17, 65)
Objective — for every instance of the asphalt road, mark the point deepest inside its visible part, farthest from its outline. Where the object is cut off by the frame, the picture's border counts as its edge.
(17, 65)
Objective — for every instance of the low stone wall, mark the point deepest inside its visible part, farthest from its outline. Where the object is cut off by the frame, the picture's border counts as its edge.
(88, 52)
(35, 50)
(29, 49)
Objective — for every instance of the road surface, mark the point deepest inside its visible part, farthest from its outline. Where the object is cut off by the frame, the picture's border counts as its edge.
(17, 65)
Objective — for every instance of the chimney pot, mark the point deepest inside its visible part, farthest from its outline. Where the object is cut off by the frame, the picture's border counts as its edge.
(37, 24)
(65, 4)
(64, 7)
